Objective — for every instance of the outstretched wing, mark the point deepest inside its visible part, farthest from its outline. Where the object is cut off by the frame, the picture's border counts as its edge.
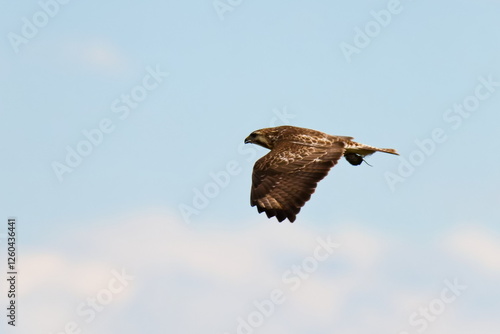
(284, 179)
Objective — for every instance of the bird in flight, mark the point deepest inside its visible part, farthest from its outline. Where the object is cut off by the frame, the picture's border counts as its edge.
(284, 179)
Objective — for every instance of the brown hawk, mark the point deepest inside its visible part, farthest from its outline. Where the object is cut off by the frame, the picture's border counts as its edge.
(284, 179)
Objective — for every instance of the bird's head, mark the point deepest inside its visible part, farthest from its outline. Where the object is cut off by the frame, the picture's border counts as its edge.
(263, 137)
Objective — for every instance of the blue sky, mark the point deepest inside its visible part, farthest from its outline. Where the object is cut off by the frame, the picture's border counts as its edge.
(167, 91)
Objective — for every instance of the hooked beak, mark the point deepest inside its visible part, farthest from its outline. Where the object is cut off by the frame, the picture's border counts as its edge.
(247, 140)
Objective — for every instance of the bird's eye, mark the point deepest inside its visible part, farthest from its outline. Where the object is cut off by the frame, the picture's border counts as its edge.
(253, 135)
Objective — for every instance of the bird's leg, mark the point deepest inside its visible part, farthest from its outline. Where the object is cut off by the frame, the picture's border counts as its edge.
(366, 162)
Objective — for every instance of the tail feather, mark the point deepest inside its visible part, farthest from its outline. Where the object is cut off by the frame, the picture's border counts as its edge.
(362, 149)
(388, 150)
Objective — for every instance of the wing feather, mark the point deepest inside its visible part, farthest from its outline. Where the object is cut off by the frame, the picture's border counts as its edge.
(284, 179)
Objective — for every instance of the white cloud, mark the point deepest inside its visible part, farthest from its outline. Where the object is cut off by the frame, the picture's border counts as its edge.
(185, 272)
(98, 55)
(477, 246)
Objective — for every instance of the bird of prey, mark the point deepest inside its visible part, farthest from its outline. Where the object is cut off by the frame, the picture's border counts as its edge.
(284, 179)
